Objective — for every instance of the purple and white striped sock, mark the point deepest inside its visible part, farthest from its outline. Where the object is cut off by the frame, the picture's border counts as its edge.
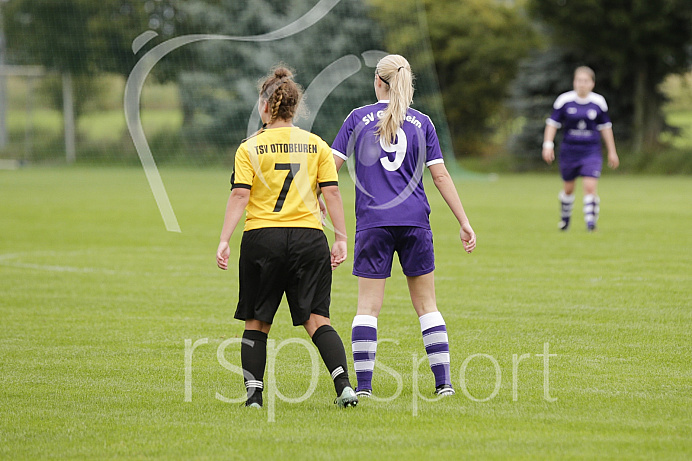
(591, 209)
(364, 346)
(566, 204)
(436, 344)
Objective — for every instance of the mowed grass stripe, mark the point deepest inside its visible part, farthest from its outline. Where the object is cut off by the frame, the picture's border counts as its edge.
(98, 300)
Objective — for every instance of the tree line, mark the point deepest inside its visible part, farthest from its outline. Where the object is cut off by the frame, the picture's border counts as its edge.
(493, 60)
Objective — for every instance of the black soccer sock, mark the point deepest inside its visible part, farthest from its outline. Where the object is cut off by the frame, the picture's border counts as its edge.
(253, 356)
(333, 354)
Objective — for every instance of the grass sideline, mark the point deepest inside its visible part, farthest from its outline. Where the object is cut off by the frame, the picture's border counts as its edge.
(98, 300)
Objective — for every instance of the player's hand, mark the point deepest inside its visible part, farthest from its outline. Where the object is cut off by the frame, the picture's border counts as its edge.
(222, 254)
(549, 154)
(613, 160)
(468, 237)
(339, 253)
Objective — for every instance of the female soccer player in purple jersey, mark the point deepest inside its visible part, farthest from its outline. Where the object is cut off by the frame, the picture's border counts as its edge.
(583, 114)
(391, 145)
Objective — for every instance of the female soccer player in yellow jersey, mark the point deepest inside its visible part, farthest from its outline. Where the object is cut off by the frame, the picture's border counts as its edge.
(284, 250)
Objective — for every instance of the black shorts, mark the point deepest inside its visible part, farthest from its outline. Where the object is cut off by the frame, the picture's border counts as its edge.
(278, 260)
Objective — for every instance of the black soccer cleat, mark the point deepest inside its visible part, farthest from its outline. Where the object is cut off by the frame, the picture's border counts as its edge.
(254, 400)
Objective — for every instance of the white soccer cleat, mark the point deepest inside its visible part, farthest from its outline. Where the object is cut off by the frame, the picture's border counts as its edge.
(348, 398)
(364, 392)
(444, 390)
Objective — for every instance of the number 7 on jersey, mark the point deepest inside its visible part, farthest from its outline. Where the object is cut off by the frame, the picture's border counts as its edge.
(293, 169)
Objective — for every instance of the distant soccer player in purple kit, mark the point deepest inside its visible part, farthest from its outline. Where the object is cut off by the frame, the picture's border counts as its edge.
(584, 115)
(392, 144)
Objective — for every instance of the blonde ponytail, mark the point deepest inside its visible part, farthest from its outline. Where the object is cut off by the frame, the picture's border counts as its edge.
(395, 71)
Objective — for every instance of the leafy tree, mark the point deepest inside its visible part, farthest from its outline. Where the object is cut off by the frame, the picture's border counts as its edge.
(544, 75)
(477, 45)
(219, 81)
(83, 37)
(80, 38)
(637, 44)
(541, 77)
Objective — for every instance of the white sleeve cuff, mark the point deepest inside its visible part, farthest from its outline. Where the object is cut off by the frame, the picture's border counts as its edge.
(604, 126)
(339, 154)
(552, 122)
(435, 162)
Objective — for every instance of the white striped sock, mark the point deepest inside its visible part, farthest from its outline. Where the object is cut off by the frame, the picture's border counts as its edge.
(436, 342)
(254, 383)
(364, 347)
(591, 208)
(337, 371)
(567, 202)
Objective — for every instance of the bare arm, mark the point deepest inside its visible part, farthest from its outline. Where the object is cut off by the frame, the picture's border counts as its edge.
(609, 139)
(548, 140)
(444, 183)
(332, 197)
(235, 208)
(323, 208)
(339, 162)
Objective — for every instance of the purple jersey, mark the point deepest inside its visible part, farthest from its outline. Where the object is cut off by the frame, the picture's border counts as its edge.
(582, 118)
(389, 178)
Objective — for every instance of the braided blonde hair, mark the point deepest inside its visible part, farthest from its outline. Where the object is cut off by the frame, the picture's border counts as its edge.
(395, 71)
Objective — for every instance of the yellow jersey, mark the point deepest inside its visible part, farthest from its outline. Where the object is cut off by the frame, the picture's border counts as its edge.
(283, 167)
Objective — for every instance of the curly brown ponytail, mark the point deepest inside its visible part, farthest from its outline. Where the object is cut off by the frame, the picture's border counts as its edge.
(281, 92)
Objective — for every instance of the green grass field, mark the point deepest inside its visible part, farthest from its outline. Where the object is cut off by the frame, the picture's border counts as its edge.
(97, 302)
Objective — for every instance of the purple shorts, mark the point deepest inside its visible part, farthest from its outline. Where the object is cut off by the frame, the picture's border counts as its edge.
(375, 247)
(580, 162)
